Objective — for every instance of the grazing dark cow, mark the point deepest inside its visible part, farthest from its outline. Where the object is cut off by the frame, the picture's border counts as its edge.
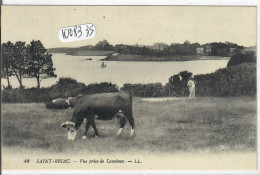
(105, 106)
(63, 103)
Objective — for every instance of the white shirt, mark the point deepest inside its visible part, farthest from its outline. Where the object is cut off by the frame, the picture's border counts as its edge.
(191, 83)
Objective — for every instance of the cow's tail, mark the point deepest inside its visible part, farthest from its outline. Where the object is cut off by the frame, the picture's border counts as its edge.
(131, 119)
(131, 104)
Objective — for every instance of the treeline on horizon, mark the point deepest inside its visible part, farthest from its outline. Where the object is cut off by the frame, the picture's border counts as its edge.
(159, 49)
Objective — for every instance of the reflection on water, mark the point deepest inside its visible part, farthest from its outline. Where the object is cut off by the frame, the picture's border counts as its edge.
(119, 72)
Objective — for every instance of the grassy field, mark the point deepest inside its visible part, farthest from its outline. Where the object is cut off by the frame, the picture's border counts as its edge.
(200, 124)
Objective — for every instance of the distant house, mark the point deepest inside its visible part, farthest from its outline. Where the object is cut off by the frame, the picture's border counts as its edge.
(249, 50)
(200, 51)
(173, 44)
(159, 46)
(207, 49)
(137, 45)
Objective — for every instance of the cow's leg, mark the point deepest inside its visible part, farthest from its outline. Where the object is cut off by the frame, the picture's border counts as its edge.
(122, 124)
(86, 130)
(93, 124)
(132, 124)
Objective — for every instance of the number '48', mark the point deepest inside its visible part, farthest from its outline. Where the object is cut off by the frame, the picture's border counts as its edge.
(26, 161)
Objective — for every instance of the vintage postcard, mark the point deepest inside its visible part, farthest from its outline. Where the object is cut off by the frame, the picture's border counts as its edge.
(128, 88)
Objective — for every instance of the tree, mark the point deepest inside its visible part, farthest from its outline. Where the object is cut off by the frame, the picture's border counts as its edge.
(186, 42)
(185, 75)
(177, 85)
(40, 64)
(19, 61)
(6, 70)
(104, 45)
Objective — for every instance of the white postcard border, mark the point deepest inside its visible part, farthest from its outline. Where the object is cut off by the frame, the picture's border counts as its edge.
(147, 2)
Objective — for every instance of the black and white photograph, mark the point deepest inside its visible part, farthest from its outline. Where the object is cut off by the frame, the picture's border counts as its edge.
(128, 87)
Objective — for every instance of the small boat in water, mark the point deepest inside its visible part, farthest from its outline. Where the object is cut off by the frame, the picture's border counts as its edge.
(103, 65)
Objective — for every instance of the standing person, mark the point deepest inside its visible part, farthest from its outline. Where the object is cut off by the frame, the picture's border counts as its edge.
(180, 77)
(191, 85)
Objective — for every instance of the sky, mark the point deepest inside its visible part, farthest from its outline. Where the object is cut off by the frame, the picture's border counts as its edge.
(143, 25)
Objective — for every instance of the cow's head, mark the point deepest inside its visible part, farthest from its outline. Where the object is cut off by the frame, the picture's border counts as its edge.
(70, 127)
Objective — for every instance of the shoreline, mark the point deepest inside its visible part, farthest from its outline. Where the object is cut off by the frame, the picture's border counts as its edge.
(110, 56)
(169, 58)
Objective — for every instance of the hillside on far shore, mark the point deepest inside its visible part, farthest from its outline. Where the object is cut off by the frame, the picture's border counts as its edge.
(111, 56)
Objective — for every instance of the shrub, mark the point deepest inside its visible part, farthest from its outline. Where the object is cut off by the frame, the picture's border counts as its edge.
(231, 81)
(66, 87)
(178, 89)
(144, 90)
(101, 87)
(241, 58)
(185, 75)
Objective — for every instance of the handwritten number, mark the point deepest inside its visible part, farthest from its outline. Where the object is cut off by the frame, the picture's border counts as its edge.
(79, 31)
(89, 29)
(64, 35)
(75, 31)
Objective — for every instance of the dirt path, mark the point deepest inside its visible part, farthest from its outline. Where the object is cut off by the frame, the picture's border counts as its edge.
(164, 99)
